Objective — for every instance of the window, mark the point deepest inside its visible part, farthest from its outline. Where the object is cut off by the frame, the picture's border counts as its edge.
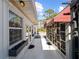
(27, 28)
(62, 27)
(15, 28)
(15, 20)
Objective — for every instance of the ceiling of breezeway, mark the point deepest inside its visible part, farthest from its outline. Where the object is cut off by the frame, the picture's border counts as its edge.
(29, 10)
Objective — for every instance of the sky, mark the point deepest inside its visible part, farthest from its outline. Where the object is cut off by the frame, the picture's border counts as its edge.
(42, 5)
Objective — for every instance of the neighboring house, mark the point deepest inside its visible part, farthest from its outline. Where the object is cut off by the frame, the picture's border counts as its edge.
(16, 17)
(59, 32)
(40, 24)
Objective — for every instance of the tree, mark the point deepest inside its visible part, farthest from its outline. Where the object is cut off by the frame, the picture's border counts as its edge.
(49, 14)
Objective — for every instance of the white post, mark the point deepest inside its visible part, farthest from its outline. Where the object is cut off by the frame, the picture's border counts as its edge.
(1, 22)
(5, 15)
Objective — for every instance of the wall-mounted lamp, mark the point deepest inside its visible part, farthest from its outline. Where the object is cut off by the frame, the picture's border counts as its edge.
(22, 3)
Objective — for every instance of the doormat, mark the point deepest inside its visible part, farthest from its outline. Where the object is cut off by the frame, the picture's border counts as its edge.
(31, 46)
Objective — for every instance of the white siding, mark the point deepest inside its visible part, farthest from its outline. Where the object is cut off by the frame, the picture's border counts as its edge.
(5, 6)
(1, 55)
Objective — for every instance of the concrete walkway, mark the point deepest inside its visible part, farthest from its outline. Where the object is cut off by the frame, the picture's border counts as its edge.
(41, 50)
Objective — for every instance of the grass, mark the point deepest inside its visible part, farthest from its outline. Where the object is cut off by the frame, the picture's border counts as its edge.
(41, 30)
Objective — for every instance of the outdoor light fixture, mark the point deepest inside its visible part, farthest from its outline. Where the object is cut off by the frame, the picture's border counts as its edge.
(22, 3)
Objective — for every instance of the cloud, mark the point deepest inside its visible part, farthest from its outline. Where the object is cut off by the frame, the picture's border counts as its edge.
(41, 13)
(39, 8)
(61, 8)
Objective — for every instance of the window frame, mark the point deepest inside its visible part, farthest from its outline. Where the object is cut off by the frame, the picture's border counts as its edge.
(15, 28)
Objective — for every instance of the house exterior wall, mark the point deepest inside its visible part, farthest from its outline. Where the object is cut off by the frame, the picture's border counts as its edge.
(5, 6)
(56, 38)
(26, 21)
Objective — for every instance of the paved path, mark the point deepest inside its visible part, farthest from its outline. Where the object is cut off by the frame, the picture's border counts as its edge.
(41, 50)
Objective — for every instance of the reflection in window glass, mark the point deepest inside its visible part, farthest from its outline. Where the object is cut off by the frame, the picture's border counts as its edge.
(15, 30)
(15, 21)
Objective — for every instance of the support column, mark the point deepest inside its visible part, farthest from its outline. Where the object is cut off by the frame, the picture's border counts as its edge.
(1, 31)
(5, 15)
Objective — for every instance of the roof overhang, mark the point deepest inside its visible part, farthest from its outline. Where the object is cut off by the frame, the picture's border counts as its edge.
(29, 10)
(64, 16)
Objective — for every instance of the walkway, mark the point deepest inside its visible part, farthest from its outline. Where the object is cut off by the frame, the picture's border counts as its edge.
(41, 50)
